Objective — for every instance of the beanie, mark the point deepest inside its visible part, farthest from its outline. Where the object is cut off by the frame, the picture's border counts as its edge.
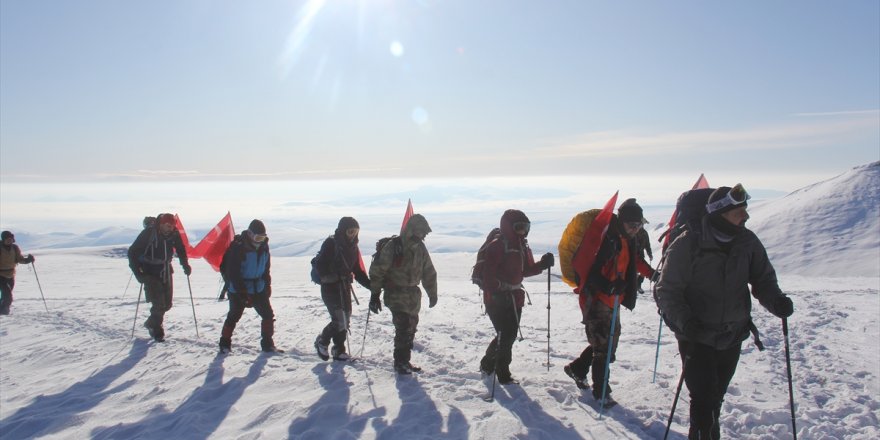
(257, 227)
(719, 194)
(165, 219)
(346, 223)
(7, 234)
(630, 211)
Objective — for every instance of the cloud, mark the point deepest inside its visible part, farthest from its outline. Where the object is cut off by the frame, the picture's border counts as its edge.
(780, 136)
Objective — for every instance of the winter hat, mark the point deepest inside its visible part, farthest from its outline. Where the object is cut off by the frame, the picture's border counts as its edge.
(346, 223)
(257, 227)
(166, 219)
(720, 194)
(7, 234)
(630, 211)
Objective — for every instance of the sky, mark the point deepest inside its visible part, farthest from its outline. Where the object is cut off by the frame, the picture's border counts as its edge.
(785, 93)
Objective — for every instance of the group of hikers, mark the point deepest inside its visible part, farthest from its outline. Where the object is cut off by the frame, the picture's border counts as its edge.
(702, 289)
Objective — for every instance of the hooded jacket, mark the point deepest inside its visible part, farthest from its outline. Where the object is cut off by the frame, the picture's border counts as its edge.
(401, 265)
(508, 260)
(703, 282)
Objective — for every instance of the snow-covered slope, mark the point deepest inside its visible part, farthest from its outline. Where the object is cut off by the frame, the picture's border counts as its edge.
(831, 228)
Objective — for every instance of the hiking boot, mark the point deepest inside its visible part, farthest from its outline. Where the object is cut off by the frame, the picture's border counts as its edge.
(486, 373)
(4, 311)
(225, 345)
(414, 368)
(581, 382)
(507, 380)
(321, 349)
(402, 368)
(339, 354)
(268, 346)
(156, 332)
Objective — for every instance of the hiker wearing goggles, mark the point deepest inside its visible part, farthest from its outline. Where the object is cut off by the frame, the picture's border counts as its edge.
(704, 296)
(245, 268)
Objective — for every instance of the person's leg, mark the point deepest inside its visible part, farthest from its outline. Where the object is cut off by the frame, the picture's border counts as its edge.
(598, 334)
(267, 325)
(6, 286)
(727, 360)
(155, 290)
(236, 308)
(405, 326)
(701, 378)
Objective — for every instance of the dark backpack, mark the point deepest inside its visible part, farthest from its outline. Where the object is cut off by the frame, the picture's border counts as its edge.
(690, 208)
(397, 248)
(314, 273)
(477, 272)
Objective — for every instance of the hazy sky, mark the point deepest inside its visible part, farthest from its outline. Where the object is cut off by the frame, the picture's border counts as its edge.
(441, 88)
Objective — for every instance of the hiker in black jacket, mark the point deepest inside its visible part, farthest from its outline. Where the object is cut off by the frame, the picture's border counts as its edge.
(338, 262)
(149, 258)
(704, 295)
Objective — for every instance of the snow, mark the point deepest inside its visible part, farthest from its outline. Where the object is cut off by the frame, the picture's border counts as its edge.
(76, 372)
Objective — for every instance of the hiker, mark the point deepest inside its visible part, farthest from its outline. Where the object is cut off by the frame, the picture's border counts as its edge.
(612, 279)
(643, 246)
(401, 264)
(149, 258)
(245, 267)
(508, 259)
(10, 256)
(338, 261)
(703, 293)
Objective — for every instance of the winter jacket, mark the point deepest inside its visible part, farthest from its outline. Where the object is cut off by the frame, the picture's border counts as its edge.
(401, 265)
(508, 260)
(247, 267)
(9, 257)
(340, 260)
(702, 282)
(151, 252)
(616, 261)
(643, 242)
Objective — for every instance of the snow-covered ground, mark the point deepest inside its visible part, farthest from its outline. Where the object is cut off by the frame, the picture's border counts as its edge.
(74, 371)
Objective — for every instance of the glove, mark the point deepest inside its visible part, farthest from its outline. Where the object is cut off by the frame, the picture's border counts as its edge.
(693, 329)
(783, 307)
(547, 260)
(618, 287)
(375, 304)
(139, 276)
(187, 269)
(432, 301)
(246, 299)
(29, 259)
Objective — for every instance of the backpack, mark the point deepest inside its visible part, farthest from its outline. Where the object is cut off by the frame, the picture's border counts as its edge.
(690, 209)
(477, 271)
(314, 274)
(397, 250)
(571, 241)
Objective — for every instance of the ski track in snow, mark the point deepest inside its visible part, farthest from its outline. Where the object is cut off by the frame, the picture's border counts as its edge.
(74, 373)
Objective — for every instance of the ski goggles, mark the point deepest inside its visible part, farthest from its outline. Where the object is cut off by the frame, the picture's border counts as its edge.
(736, 196)
(522, 227)
(352, 232)
(633, 225)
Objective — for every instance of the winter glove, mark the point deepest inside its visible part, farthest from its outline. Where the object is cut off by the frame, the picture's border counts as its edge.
(139, 276)
(693, 329)
(783, 307)
(432, 301)
(547, 260)
(618, 287)
(187, 269)
(29, 259)
(375, 304)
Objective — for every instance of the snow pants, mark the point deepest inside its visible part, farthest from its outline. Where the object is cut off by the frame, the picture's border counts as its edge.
(263, 308)
(707, 375)
(504, 315)
(158, 293)
(337, 299)
(6, 285)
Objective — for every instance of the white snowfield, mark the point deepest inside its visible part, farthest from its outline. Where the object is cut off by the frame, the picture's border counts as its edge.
(75, 372)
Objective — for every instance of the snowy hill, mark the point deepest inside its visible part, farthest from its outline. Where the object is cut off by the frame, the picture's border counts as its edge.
(831, 228)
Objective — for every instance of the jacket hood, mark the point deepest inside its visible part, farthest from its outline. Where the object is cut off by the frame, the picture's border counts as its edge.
(510, 217)
(416, 225)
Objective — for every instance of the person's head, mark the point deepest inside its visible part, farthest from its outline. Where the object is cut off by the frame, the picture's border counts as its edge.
(631, 216)
(417, 227)
(349, 227)
(256, 232)
(8, 238)
(166, 223)
(727, 208)
(515, 223)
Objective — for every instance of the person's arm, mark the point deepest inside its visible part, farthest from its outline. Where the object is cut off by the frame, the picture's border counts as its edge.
(765, 287)
(429, 277)
(674, 279)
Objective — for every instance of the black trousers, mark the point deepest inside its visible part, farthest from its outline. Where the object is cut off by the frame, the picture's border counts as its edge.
(337, 299)
(504, 315)
(6, 285)
(707, 375)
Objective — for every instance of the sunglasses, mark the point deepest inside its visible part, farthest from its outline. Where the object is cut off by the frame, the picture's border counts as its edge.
(351, 232)
(522, 227)
(633, 225)
(736, 196)
(259, 238)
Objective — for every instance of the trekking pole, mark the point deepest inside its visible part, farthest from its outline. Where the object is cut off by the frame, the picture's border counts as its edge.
(136, 306)
(528, 297)
(353, 295)
(345, 317)
(608, 355)
(677, 392)
(548, 319)
(39, 286)
(364, 342)
(657, 351)
(790, 386)
(126, 286)
(516, 314)
(193, 303)
(224, 288)
(495, 372)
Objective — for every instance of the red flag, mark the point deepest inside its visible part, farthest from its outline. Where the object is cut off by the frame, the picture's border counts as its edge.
(406, 215)
(586, 253)
(179, 225)
(702, 182)
(216, 241)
